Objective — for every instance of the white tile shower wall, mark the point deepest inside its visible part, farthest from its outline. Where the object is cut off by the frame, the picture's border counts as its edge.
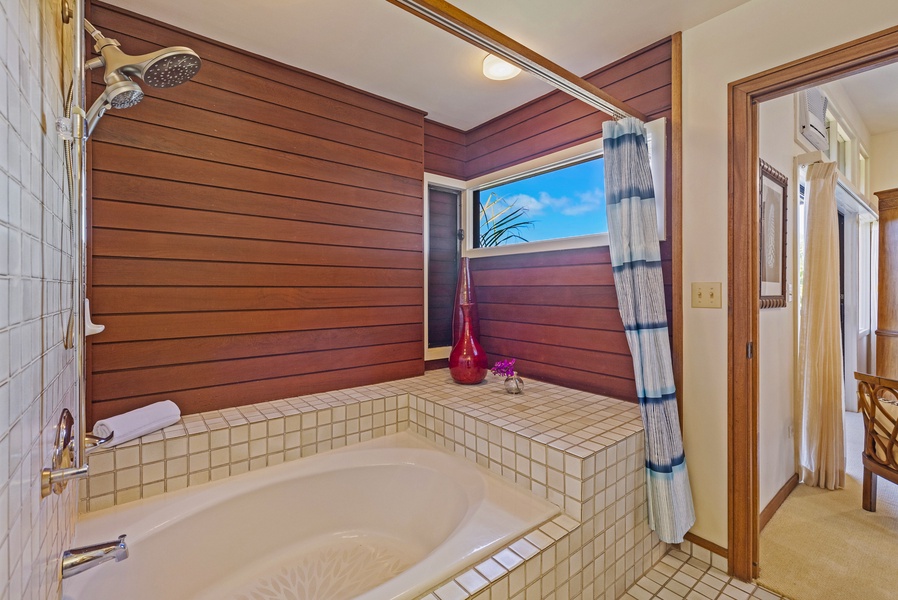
(37, 375)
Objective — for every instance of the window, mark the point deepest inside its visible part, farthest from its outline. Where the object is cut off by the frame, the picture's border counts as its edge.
(842, 155)
(442, 249)
(555, 202)
(863, 171)
(561, 202)
(442, 264)
(865, 284)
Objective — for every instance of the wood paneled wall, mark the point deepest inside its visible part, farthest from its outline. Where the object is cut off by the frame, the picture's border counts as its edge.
(444, 150)
(255, 233)
(557, 121)
(557, 312)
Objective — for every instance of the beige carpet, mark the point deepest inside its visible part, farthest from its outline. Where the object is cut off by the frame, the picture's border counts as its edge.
(821, 545)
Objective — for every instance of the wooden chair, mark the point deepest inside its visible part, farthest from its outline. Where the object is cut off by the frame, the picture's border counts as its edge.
(878, 401)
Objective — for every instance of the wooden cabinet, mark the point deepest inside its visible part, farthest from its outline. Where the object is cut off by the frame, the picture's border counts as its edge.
(887, 328)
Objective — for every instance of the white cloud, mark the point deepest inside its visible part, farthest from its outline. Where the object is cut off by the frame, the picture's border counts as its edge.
(528, 203)
(585, 202)
(589, 202)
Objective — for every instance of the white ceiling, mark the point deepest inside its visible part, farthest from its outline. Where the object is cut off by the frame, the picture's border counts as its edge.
(377, 47)
(875, 96)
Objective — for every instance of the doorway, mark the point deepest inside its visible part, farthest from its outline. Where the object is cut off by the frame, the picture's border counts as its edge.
(743, 267)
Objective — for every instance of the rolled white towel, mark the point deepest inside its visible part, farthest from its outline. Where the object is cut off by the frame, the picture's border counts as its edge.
(138, 422)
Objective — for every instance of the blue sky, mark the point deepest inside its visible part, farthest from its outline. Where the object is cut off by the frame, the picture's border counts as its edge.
(563, 203)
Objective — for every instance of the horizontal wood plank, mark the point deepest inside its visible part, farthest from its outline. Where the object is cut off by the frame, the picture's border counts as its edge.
(146, 136)
(142, 244)
(614, 342)
(136, 300)
(214, 125)
(566, 316)
(114, 356)
(153, 326)
(143, 217)
(197, 400)
(126, 187)
(115, 385)
(542, 276)
(135, 272)
(145, 163)
(604, 363)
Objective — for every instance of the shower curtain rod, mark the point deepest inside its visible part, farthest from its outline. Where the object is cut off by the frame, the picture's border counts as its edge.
(459, 23)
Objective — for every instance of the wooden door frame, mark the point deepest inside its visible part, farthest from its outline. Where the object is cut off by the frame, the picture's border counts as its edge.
(743, 284)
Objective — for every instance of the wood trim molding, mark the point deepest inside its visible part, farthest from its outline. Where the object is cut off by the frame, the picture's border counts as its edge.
(743, 289)
(777, 501)
(676, 211)
(888, 199)
(467, 27)
(743, 285)
(703, 543)
(437, 363)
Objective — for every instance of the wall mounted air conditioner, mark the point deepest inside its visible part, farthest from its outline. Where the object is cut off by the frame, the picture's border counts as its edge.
(812, 118)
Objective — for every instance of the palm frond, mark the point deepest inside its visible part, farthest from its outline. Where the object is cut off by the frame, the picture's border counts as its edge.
(502, 223)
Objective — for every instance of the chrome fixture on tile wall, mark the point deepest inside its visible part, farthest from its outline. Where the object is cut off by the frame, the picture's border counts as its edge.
(62, 469)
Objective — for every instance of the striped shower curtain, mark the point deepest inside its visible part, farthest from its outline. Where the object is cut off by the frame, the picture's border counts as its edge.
(636, 262)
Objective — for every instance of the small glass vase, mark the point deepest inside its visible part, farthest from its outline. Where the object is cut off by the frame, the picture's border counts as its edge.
(514, 384)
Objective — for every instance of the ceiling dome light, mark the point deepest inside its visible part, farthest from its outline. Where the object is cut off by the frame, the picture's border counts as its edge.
(498, 69)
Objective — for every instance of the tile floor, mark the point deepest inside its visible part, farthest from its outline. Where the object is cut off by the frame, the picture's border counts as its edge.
(679, 576)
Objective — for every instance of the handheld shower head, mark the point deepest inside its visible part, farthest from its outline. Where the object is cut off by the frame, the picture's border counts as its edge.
(123, 94)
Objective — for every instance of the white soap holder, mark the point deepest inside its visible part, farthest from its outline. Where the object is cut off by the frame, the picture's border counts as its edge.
(90, 328)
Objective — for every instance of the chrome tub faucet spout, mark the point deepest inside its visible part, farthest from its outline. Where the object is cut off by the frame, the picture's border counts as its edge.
(81, 559)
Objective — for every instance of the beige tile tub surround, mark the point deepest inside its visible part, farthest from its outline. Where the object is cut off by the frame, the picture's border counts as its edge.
(582, 451)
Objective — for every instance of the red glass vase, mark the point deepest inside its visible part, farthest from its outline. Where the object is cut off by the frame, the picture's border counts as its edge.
(464, 294)
(467, 361)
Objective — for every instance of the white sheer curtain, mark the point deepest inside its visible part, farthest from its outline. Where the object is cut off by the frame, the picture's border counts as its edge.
(821, 446)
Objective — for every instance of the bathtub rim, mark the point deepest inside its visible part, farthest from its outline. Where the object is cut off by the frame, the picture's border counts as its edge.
(97, 525)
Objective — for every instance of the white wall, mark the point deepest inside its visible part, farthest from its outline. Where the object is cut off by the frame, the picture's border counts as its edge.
(776, 347)
(756, 36)
(884, 162)
(37, 376)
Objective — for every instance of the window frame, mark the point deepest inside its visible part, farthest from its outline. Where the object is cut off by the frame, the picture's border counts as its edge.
(656, 131)
(445, 183)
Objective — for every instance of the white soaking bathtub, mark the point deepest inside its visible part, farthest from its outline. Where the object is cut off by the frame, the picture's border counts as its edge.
(380, 520)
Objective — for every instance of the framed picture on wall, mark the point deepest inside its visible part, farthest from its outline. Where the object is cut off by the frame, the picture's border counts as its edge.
(772, 189)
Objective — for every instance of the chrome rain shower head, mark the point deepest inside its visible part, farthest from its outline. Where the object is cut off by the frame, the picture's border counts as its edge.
(170, 67)
(162, 69)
